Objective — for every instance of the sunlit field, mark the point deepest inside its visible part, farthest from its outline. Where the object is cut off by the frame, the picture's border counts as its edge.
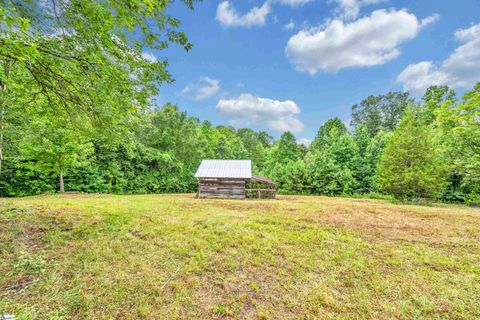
(177, 257)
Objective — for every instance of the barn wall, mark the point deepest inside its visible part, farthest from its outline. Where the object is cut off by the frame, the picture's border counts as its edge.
(228, 188)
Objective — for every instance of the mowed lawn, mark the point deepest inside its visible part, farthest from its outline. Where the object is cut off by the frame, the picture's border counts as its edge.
(177, 257)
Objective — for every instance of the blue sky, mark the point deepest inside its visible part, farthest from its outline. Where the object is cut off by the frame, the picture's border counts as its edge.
(279, 65)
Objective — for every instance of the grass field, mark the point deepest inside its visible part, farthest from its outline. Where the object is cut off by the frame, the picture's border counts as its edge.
(173, 256)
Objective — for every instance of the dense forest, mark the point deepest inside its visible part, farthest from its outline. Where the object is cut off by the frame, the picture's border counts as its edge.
(78, 114)
(427, 149)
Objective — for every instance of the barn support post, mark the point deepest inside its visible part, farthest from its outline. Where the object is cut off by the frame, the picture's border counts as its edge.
(244, 189)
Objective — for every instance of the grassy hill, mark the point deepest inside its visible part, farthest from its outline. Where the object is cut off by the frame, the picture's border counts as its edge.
(173, 256)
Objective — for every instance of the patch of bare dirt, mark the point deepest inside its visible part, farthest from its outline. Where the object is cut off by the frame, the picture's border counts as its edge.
(241, 293)
(15, 286)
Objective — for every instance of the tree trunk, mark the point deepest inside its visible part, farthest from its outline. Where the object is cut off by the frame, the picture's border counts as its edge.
(62, 187)
(3, 88)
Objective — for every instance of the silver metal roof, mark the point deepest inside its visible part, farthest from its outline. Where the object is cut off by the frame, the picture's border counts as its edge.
(225, 169)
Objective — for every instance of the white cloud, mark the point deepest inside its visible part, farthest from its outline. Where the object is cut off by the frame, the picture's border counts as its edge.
(292, 3)
(306, 142)
(420, 76)
(289, 26)
(228, 16)
(472, 33)
(149, 57)
(368, 41)
(276, 115)
(348, 124)
(429, 20)
(204, 89)
(460, 69)
(349, 9)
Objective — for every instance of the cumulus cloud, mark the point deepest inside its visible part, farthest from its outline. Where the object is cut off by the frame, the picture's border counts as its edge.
(149, 57)
(276, 115)
(368, 41)
(429, 20)
(289, 26)
(349, 9)
(292, 3)
(204, 89)
(257, 16)
(229, 17)
(460, 69)
(306, 142)
(469, 34)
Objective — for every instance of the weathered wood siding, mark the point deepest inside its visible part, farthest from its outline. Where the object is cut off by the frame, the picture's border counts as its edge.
(229, 188)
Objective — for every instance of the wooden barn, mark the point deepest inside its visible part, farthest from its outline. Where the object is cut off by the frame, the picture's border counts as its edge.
(232, 179)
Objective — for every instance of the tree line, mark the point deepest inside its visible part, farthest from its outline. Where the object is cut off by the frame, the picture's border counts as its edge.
(395, 146)
(427, 149)
(77, 86)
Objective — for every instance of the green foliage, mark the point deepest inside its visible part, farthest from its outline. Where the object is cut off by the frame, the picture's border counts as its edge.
(364, 160)
(382, 112)
(284, 164)
(409, 166)
(328, 133)
(52, 149)
(330, 169)
(255, 144)
(76, 92)
(290, 177)
(433, 153)
(433, 99)
(82, 61)
(285, 150)
(459, 138)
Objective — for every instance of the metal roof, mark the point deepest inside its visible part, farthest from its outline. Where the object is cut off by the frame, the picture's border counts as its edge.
(225, 169)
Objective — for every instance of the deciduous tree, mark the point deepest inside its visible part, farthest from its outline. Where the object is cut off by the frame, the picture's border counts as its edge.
(382, 112)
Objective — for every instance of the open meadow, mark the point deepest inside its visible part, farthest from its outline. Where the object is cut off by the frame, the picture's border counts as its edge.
(176, 257)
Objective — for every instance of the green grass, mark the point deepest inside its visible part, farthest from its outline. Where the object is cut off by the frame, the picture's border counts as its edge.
(173, 256)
